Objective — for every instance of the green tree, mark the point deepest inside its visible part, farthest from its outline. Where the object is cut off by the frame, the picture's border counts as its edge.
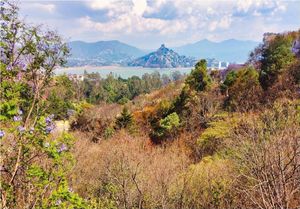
(34, 163)
(229, 81)
(125, 120)
(199, 79)
(276, 56)
(244, 92)
(60, 97)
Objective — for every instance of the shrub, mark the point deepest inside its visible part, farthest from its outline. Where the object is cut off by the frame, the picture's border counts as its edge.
(245, 92)
(208, 184)
(214, 137)
(267, 156)
(166, 127)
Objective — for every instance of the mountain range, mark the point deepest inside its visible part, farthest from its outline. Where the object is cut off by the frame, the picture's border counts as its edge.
(114, 52)
(102, 53)
(230, 50)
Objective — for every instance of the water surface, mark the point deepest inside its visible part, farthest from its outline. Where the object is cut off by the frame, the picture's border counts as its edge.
(123, 72)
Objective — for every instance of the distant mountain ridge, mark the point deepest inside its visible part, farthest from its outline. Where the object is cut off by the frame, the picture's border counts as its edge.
(230, 50)
(102, 53)
(163, 58)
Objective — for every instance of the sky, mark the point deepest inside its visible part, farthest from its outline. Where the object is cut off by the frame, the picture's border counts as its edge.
(148, 23)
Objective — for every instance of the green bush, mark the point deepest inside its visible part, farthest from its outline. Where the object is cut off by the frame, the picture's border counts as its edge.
(166, 127)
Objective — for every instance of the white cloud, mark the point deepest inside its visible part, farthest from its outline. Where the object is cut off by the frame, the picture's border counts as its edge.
(139, 6)
(49, 8)
(191, 15)
(101, 4)
(176, 20)
(223, 23)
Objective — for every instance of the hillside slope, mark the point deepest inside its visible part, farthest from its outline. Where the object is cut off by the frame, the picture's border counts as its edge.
(102, 53)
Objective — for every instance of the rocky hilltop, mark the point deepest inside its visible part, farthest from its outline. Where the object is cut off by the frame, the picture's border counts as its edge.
(163, 58)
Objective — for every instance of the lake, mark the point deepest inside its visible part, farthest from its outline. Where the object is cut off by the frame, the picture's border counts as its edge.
(123, 72)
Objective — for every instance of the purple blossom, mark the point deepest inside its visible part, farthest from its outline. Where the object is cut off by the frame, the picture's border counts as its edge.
(4, 24)
(62, 148)
(9, 67)
(2, 133)
(49, 128)
(42, 46)
(17, 118)
(3, 57)
(48, 120)
(21, 129)
(21, 65)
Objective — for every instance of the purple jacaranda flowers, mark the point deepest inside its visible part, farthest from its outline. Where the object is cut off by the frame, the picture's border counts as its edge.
(21, 129)
(48, 119)
(3, 57)
(21, 64)
(17, 118)
(4, 24)
(49, 129)
(49, 124)
(42, 46)
(9, 67)
(62, 148)
(2, 134)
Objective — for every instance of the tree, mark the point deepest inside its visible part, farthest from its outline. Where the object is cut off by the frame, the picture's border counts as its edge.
(34, 163)
(125, 120)
(244, 91)
(229, 81)
(199, 79)
(60, 97)
(276, 56)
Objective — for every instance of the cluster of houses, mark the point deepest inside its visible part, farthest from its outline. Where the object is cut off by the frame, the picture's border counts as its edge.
(213, 64)
(76, 77)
